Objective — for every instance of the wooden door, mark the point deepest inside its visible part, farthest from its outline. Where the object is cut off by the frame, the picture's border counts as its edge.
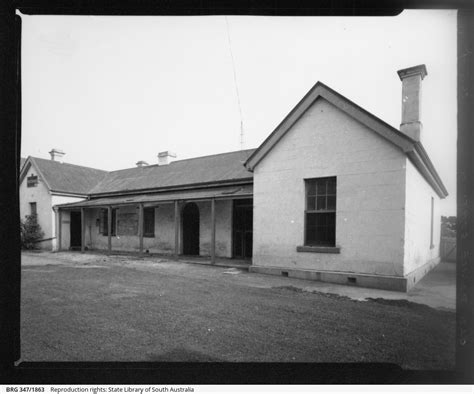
(242, 228)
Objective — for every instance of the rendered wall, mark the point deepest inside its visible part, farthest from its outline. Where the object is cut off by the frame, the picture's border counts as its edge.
(418, 251)
(56, 200)
(39, 194)
(370, 195)
(164, 240)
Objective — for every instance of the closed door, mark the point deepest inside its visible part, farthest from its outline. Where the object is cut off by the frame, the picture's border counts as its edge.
(191, 229)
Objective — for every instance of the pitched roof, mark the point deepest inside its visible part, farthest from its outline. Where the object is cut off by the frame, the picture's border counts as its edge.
(214, 169)
(64, 177)
(412, 148)
(22, 161)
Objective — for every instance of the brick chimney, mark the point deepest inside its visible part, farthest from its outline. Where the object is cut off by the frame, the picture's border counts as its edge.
(141, 163)
(165, 158)
(411, 100)
(56, 154)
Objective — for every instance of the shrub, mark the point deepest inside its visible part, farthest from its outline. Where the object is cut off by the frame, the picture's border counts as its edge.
(31, 232)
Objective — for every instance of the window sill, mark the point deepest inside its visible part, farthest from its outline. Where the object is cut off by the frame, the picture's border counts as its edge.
(148, 236)
(319, 249)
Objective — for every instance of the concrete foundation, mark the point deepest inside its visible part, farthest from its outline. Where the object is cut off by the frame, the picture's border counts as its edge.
(394, 283)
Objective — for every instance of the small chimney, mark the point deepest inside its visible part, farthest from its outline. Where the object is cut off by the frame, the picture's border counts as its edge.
(56, 154)
(411, 100)
(164, 158)
(141, 163)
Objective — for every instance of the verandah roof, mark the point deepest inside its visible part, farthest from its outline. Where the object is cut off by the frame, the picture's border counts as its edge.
(229, 192)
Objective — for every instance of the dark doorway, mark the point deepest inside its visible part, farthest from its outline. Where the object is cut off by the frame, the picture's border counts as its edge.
(76, 239)
(242, 228)
(191, 229)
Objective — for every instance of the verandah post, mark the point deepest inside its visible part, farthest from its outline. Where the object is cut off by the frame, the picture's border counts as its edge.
(83, 231)
(213, 231)
(109, 229)
(176, 229)
(140, 227)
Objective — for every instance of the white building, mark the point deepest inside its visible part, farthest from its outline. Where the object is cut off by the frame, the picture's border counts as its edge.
(333, 194)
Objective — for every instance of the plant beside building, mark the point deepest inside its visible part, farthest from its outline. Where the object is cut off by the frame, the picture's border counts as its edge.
(31, 232)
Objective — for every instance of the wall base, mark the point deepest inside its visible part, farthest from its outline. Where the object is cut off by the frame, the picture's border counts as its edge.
(393, 283)
(415, 276)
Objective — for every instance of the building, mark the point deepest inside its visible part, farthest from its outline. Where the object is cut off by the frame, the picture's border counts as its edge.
(333, 194)
(45, 183)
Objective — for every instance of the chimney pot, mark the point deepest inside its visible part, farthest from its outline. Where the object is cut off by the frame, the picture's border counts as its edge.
(141, 163)
(411, 100)
(56, 154)
(164, 158)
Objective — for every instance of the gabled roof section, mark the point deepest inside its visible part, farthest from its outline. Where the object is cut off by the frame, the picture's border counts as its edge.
(224, 168)
(63, 177)
(412, 148)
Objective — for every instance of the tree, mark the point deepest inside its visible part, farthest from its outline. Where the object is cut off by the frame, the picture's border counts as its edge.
(31, 232)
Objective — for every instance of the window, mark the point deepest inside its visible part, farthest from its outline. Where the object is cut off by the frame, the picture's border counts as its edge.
(105, 223)
(149, 222)
(432, 222)
(320, 213)
(32, 181)
(33, 210)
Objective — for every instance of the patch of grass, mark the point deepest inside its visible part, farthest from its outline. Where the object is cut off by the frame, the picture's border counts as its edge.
(190, 312)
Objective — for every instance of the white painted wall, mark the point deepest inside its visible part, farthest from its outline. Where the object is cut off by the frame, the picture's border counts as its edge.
(39, 194)
(370, 215)
(56, 200)
(418, 221)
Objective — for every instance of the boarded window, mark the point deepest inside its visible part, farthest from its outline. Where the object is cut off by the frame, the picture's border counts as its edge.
(33, 210)
(32, 181)
(104, 222)
(320, 213)
(149, 222)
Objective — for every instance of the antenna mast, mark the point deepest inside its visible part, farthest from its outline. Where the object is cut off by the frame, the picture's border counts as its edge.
(236, 86)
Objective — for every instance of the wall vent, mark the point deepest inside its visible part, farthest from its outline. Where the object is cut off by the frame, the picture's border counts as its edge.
(284, 273)
(352, 280)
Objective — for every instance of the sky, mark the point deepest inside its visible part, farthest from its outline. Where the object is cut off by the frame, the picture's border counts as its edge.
(110, 91)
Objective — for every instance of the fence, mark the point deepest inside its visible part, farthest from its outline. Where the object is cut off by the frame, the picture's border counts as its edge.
(448, 249)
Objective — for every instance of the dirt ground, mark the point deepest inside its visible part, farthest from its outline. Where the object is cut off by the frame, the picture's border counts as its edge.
(84, 307)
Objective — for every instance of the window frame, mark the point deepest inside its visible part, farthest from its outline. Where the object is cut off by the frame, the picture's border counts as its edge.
(319, 244)
(145, 211)
(33, 204)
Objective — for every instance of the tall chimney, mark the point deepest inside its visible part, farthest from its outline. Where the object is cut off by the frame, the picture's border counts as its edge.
(411, 100)
(56, 154)
(164, 158)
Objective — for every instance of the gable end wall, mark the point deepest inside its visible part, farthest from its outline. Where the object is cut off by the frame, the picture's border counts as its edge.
(370, 175)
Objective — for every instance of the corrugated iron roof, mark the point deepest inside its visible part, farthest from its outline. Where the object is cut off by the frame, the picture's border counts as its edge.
(228, 192)
(201, 170)
(68, 178)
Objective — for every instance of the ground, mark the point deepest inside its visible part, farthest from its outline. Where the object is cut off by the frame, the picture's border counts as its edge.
(84, 307)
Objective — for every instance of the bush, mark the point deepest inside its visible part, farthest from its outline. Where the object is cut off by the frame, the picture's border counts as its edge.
(31, 232)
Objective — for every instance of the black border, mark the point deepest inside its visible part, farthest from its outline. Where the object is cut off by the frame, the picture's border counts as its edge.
(220, 373)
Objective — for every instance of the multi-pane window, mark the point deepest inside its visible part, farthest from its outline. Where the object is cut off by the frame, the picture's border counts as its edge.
(105, 223)
(149, 222)
(33, 210)
(320, 213)
(31, 181)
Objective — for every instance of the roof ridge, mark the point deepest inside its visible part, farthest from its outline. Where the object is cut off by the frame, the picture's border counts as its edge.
(69, 164)
(190, 158)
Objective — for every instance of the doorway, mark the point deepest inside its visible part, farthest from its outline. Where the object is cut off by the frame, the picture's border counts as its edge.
(191, 229)
(242, 228)
(76, 228)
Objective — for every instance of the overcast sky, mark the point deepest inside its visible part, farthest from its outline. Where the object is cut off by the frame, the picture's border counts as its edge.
(110, 91)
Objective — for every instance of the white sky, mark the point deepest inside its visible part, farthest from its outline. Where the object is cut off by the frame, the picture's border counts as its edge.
(110, 91)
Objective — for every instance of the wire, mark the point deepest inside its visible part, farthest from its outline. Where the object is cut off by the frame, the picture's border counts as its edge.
(236, 86)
